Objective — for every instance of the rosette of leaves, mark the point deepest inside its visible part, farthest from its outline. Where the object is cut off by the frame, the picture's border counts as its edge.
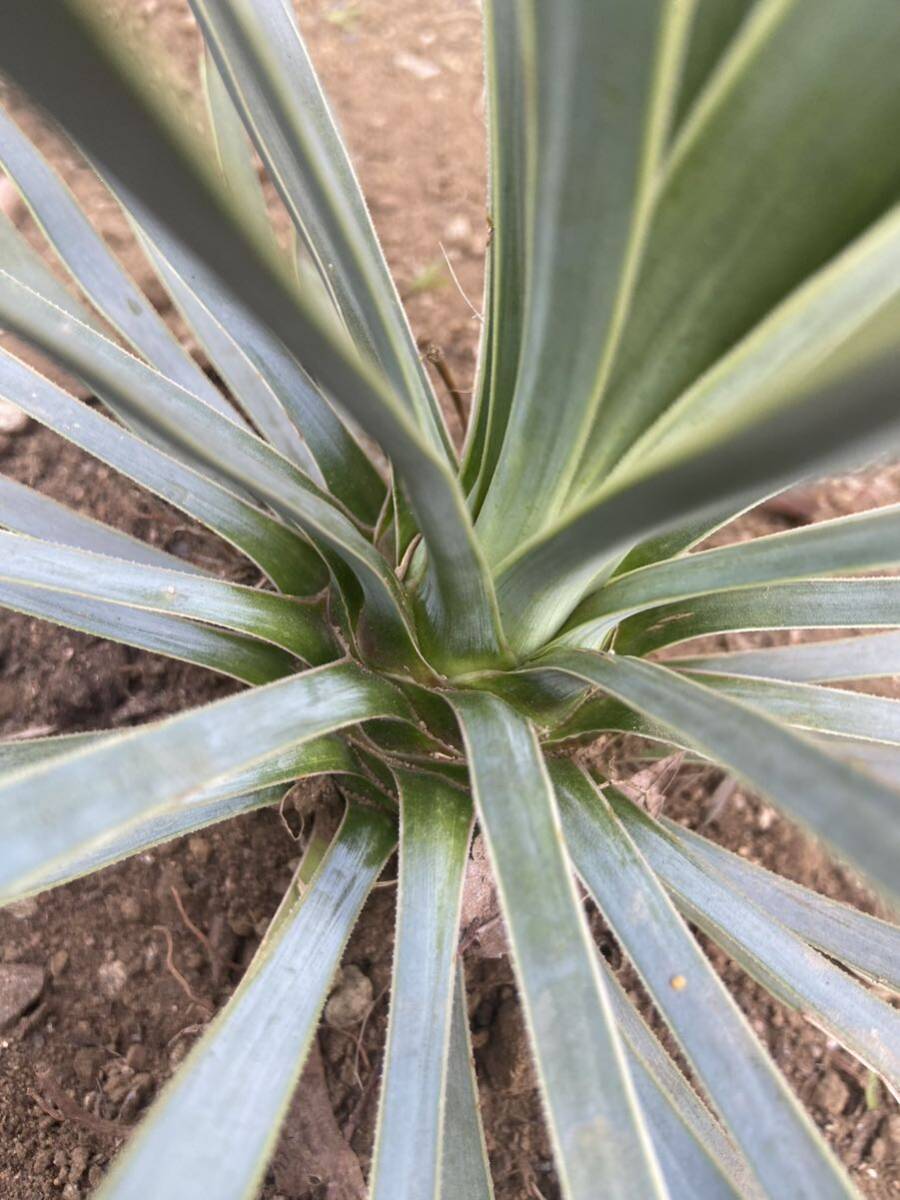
(691, 303)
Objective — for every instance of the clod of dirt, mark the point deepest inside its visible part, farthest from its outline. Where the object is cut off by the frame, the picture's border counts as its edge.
(832, 1094)
(199, 850)
(21, 985)
(507, 1056)
(22, 910)
(59, 960)
(351, 998)
(86, 1063)
(112, 977)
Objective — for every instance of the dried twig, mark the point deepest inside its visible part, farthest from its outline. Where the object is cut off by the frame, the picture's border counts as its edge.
(194, 929)
(206, 1005)
(61, 1107)
(362, 1029)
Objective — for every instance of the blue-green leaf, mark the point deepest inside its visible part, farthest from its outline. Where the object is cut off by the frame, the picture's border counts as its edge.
(60, 570)
(262, 59)
(435, 823)
(595, 1125)
(464, 1170)
(866, 657)
(277, 550)
(243, 658)
(860, 542)
(26, 510)
(869, 945)
(214, 1127)
(777, 1137)
(851, 809)
(73, 804)
(812, 604)
(782, 962)
(95, 269)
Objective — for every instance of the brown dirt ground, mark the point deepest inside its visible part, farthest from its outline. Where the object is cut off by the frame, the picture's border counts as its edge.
(119, 1009)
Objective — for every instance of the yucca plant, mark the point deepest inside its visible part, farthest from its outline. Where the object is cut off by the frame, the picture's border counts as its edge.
(691, 302)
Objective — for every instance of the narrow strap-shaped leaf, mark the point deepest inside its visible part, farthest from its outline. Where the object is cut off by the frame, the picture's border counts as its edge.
(854, 291)
(212, 1130)
(853, 811)
(329, 752)
(72, 804)
(94, 267)
(818, 709)
(18, 753)
(777, 1137)
(539, 586)
(882, 761)
(510, 120)
(688, 1125)
(464, 1170)
(755, 198)
(604, 714)
(277, 550)
(26, 510)
(812, 604)
(243, 658)
(143, 835)
(867, 657)
(435, 824)
(228, 358)
(25, 265)
(209, 437)
(860, 542)
(23, 261)
(278, 394)
(687, 1168)
(164, 170)
(323, 756)
(259, 51)
(234, 150)
(713, 23)
(867, 944)
(58, 569)
(600, 714)
(777, 958)
(685, 537)
(600, 77)
(595, 1125)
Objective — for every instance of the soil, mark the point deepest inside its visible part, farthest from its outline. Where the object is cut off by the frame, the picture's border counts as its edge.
(133, 961)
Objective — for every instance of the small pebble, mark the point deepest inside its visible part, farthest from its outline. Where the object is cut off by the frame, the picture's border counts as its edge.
(21, 985)
(199, 850)
(832, 1094)
(240, 924)
(78, 1161)
(422, 68)
(22, 909)
(136, 1057)
(351, 998)
(86, 1063)
(132, 911)
(58, 963)
(112, 977)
